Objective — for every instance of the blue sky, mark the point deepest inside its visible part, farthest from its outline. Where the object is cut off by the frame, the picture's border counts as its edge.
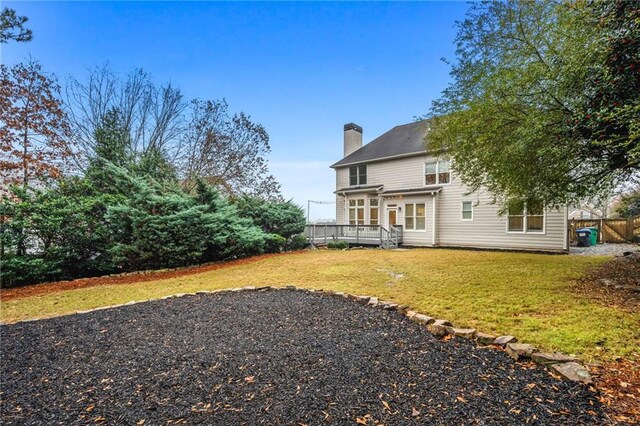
(302, 70)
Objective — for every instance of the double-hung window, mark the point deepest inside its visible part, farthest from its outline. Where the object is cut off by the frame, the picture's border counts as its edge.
(373, 211)
(356, 212)
(467, 210)
(525, 217)
(414, 217)
(534, 217)
(437, 172)
(358, 175)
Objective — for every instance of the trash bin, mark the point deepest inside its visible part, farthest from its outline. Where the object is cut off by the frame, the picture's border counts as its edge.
(584, 237)
(594, 235)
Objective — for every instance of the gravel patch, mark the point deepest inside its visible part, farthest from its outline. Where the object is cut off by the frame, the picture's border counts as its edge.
(604, 249)
(268, 357)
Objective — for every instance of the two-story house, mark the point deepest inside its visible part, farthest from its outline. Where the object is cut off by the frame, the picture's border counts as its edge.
(396, 180)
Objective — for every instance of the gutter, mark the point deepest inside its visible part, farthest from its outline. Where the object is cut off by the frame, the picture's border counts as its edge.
(400, 192)
(376, 160)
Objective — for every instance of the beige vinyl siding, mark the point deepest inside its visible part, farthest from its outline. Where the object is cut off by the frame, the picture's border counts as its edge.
(340, 206)
(416, 238)
(342, 177)
(488, 229)
(402, 173)
(342, 181)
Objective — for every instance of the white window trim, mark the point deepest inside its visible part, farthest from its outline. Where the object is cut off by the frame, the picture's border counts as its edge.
(462, 211)
(437, 163)
(369, 207)
(404, 216)
(524, 224)
(355, 208)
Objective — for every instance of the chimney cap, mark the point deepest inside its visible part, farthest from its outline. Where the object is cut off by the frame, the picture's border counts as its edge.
(352, 126)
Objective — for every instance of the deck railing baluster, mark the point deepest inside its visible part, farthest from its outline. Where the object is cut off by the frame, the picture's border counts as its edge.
(356, 234)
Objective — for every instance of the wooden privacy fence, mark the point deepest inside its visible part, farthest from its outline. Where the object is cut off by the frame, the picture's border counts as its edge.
(609, 230)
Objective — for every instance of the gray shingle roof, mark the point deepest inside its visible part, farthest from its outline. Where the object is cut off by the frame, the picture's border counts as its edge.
(401, 140)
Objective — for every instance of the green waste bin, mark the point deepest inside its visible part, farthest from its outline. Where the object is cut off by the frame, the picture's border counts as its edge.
(594, 235)
(584, 237)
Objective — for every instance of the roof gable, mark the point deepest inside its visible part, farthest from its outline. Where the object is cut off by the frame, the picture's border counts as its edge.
(406, 139)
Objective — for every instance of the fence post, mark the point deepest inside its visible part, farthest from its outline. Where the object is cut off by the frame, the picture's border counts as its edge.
(601, 231)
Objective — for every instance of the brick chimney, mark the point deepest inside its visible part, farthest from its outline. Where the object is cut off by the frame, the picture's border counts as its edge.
(352, 138)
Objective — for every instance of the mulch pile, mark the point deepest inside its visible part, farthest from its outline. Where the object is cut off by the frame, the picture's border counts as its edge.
(268, 357)
(7, 294)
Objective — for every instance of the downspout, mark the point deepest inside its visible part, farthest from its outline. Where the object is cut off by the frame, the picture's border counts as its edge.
(433, 215)
(566, 228)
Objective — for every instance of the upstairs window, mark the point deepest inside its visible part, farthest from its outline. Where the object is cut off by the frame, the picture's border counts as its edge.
(437, 173)
(414, 217)
(373, 211)
(525, 217)
(358, 175)
(356, 212)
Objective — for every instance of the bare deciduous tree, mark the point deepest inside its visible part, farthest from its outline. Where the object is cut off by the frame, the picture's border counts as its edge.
(153, 116)
(205, 141)
(226, 151)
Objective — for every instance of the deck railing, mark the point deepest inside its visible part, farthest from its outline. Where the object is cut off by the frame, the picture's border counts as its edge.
(357, 234)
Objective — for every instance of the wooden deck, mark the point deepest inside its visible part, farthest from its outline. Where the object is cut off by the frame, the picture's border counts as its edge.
(375, 235)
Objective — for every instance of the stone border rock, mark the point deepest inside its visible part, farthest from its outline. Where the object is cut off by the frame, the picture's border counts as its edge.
(559, 364)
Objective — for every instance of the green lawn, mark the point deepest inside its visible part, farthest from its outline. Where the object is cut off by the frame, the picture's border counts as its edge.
(527, 295)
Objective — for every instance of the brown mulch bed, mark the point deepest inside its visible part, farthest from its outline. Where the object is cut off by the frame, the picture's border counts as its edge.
(619, 386)
(127, 278)
(614, 284)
